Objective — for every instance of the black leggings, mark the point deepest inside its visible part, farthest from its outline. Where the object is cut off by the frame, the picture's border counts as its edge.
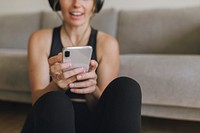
(118, 111)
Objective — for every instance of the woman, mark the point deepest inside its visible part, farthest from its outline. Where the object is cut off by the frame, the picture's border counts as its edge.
(76, 101)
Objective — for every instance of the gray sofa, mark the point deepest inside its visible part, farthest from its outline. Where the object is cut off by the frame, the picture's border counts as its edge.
(159, 48)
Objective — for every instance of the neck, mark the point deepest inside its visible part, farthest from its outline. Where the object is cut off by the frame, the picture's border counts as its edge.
(75, 35)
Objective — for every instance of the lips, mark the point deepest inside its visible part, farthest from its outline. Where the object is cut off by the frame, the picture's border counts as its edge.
(76, 13)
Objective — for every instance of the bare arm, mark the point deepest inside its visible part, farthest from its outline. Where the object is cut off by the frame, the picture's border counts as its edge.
(108, 65)
(38, 66)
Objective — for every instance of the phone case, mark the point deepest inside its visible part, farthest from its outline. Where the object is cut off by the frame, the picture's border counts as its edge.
(78, 56)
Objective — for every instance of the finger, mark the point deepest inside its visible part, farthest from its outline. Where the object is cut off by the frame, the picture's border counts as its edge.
(64, 84)
(93, 65)
(66, 77)
(60, 67)
(69, 81)
(58, 77)
(83, 84)
(55, 68)
(73, 72)
(55, 59)
(84, 90)
(89, 75)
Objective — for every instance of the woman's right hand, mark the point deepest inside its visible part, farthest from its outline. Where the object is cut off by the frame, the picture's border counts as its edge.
(57, 71)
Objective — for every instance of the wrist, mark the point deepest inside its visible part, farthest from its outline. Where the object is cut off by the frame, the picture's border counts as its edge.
(56, 87)
(97, 93)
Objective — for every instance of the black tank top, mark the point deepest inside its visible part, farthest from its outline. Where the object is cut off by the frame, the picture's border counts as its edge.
(57, 46)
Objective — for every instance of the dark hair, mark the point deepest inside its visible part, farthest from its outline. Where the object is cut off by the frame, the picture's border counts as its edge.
(55, 5)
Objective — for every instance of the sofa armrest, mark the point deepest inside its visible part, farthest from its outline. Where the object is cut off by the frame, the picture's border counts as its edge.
(13, 70)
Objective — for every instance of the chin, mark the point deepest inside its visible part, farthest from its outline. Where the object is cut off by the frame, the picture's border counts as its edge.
(77, 23)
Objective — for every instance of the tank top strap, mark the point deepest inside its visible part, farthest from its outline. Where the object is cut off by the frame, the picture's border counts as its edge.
(92, 42)
(56, 45)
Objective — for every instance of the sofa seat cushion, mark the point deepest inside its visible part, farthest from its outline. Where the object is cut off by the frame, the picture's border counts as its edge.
(166, 80)
(170, 84)
(14, 73)
(16, 96)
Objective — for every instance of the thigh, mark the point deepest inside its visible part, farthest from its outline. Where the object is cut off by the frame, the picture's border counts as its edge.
(53, 112)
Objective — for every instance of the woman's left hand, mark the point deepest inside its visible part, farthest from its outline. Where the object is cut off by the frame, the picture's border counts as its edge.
(87, 81)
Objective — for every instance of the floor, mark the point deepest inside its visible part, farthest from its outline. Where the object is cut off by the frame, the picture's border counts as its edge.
(12, 116)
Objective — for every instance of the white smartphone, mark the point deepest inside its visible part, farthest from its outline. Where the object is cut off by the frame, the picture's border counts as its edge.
(78, 56)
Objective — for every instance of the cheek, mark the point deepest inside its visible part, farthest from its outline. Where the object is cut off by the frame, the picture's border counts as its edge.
(90, 6)
(90, 10)
(64, 4)
(65, 10)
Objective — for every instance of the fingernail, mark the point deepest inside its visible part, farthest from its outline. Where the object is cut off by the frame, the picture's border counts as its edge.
(72, 90)
(83, 69)
(71, 85)
(68, 65)
(93, 62)
(79, 77)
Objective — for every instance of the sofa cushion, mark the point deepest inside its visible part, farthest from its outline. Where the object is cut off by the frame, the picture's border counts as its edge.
(106, 20)
(171, 31)
(14, 73)
(15, 96)
(50, 19)
(170, 84)
(15, 29)
(166, 80)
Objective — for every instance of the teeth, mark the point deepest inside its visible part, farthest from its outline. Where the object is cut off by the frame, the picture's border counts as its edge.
(76, 13)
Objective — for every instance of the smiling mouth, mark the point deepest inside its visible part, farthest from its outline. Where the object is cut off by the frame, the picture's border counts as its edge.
(76, 13)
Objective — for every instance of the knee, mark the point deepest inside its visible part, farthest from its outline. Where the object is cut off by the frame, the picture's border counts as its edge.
(53, 102)
(127, 86)
(129, 82)
(52, 109)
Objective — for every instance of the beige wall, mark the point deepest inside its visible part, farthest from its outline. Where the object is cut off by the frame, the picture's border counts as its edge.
(146, 4)
(18, 6)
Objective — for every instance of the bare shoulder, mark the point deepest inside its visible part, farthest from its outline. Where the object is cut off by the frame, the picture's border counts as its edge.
(107, 44)
(41, 40)
(107, 40)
